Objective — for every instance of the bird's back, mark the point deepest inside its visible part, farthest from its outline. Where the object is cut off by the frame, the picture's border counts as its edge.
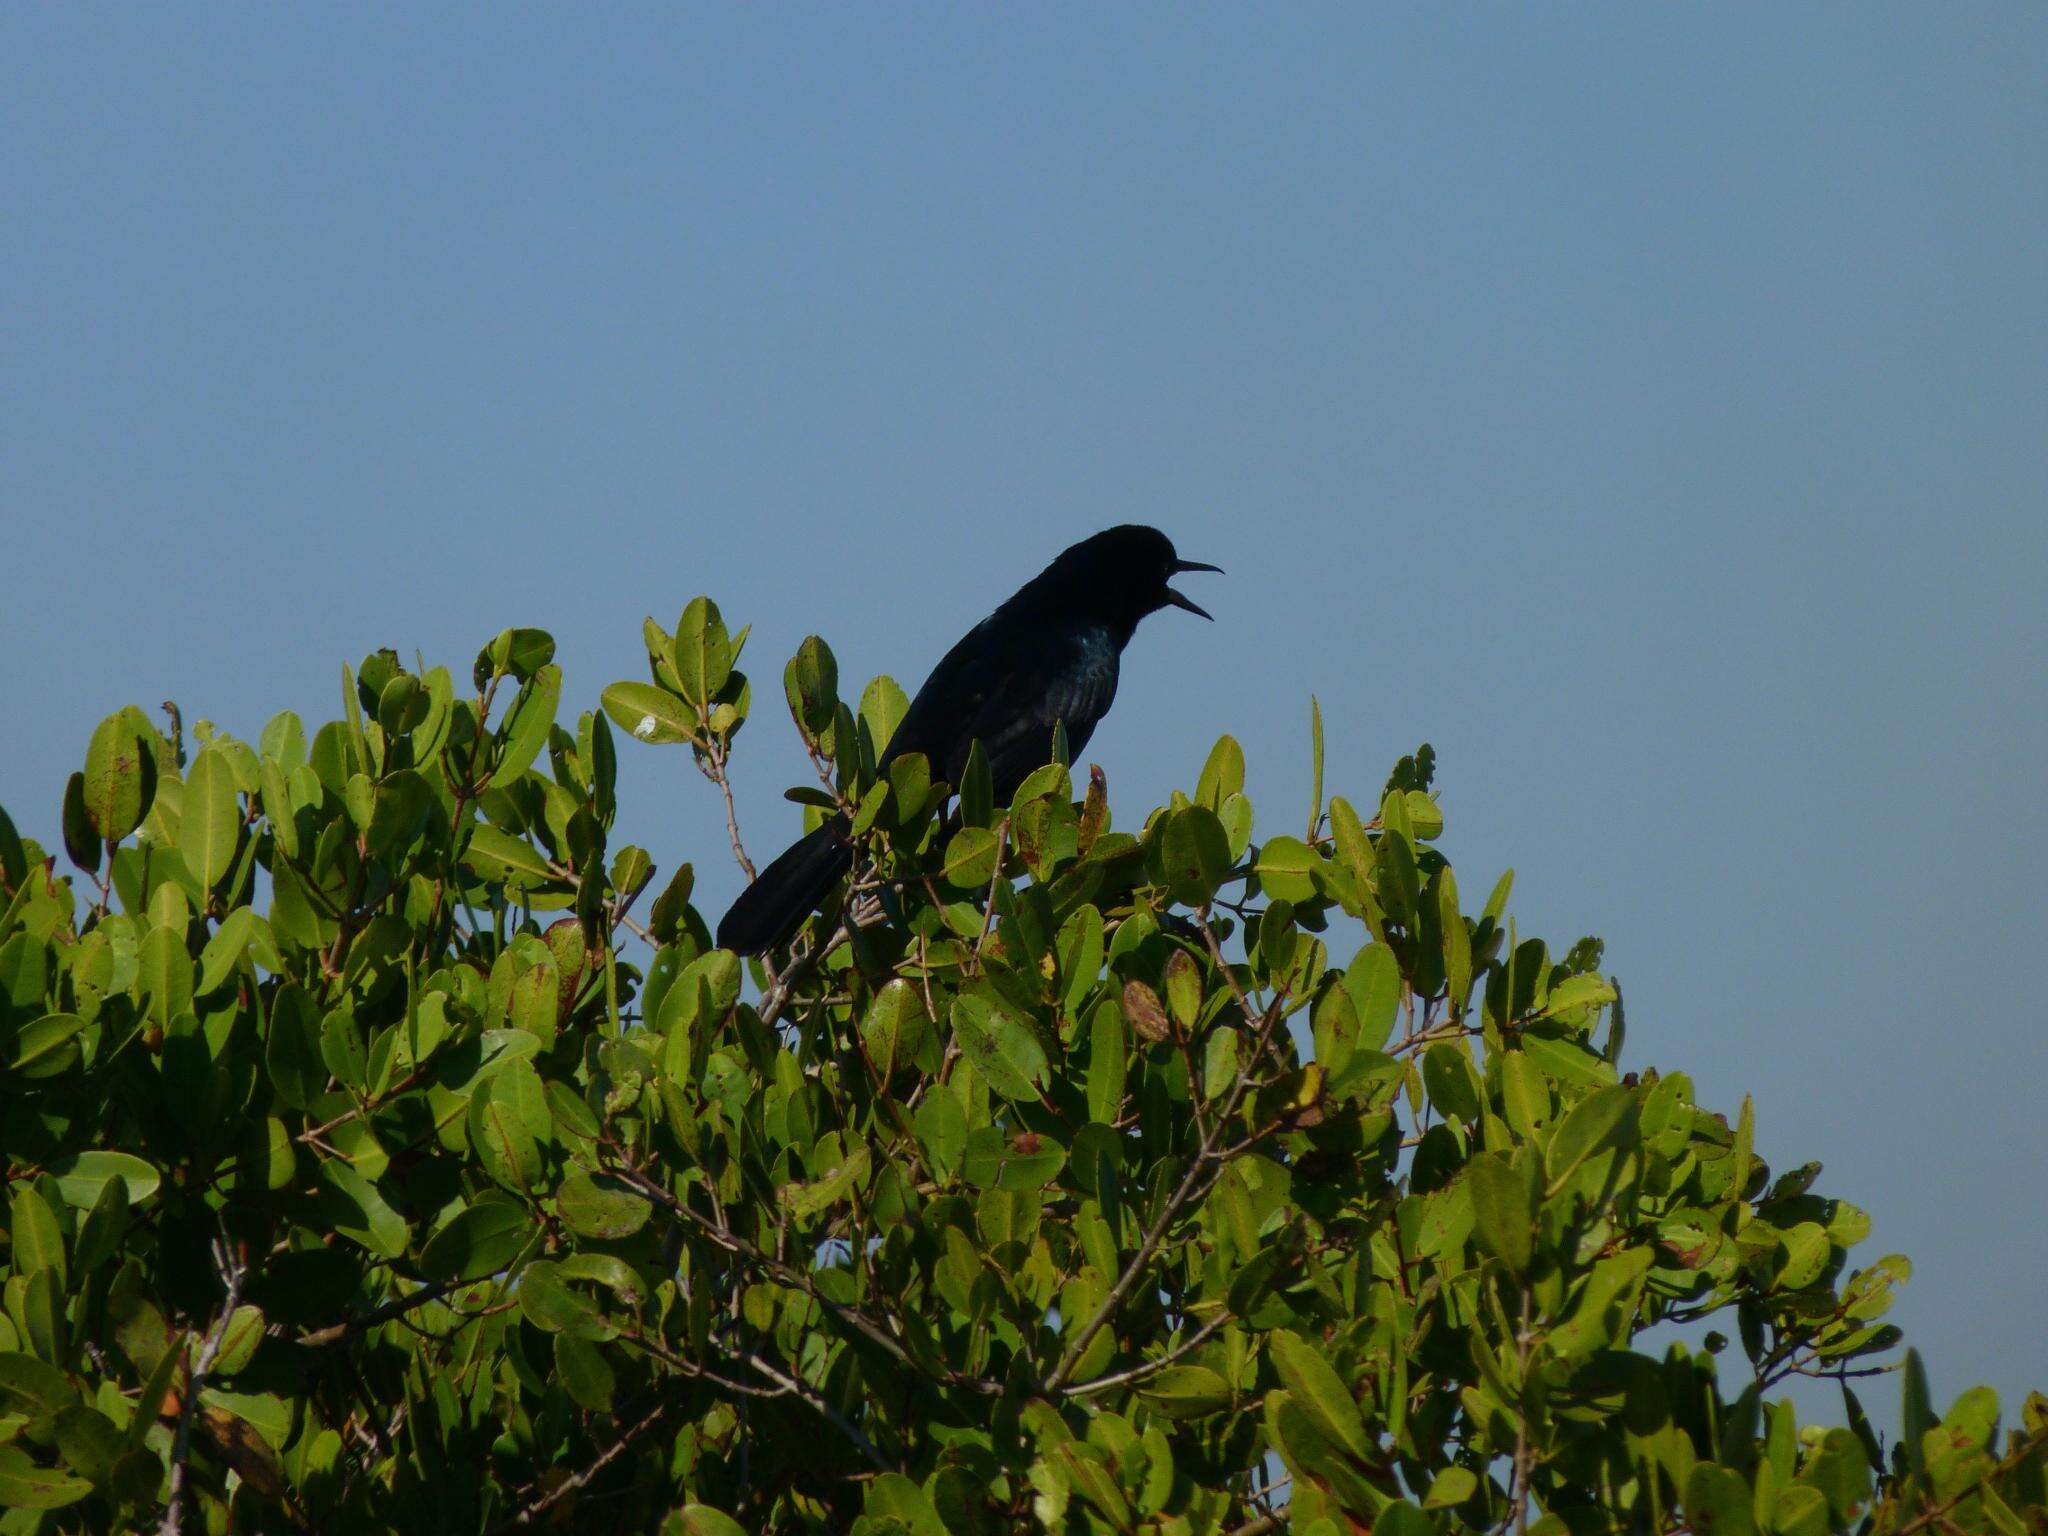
(1006, 683)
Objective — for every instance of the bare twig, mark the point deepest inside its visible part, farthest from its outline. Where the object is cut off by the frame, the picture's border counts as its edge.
(790, 1275)
(988, 910)
(231, 1272)
(816, 1399)
(780, 990)
(715, 760)
(1153, 1367)
(546, 1501)
(1520, 1470)
(320, 1338)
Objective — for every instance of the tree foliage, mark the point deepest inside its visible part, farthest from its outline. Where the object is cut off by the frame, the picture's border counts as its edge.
(379, 1159)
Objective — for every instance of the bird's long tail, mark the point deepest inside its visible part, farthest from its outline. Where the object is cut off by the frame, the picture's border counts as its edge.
(787, 891)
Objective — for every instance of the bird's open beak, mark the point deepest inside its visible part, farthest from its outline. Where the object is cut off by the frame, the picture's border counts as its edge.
(1178, 601)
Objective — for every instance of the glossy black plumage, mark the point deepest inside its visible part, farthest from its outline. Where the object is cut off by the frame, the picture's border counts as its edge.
(1047, 656)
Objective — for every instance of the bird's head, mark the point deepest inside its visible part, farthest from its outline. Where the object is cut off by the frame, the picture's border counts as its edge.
(1125, 572)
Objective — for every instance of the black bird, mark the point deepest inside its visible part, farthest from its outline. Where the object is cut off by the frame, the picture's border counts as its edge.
(1048, 655)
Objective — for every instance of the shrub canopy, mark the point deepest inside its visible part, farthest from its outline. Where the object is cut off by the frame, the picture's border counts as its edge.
(389, 1149)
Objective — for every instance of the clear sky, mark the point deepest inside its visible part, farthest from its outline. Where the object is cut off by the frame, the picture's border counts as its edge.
(1646, 405)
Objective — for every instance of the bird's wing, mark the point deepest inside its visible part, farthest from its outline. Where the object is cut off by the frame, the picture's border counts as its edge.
(1006, 685)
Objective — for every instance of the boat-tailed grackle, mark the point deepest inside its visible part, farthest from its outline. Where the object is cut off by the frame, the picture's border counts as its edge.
(1048, 656)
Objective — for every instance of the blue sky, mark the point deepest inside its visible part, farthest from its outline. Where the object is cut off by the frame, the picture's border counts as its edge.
(1644, 405)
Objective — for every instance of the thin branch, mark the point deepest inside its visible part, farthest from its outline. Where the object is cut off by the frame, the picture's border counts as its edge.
(1938, 1515)
(539, 1506)
(988, 909)
(777, 997)
(320, 1338)
(817, 1400)
(789, 1275)
(1153, 1367)
(715, 760)
(1183, 1193)
(1521, 1468)
(195, 1382)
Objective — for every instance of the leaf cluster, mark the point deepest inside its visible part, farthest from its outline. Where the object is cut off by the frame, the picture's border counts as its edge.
(373, 1166)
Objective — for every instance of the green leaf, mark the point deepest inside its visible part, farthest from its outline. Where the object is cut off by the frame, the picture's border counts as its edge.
(499, 1132)
(526, 726)
(1451, 1487)
(941, 1126)
(156, 1387)
(518, 653)
(1745, 1144)
(1504, 1208)
(358, 1211)
(1718, 1502)
(1025, 1161)
(38, 1245)
(224, 951)
(498, 855)
(244, 1332)
(551, 1304)
(43, 1317)
(1186, 1391)
(105, 1224)
(1183, 983)
(1567, 1062)
(807, 1201)
(977, 789)
(81, 844)
(33, 1387)
(811, 684)
(600, 1206)
(1425, 818)
(47, 1047)
(1354, 848)
(82, 1176)
(297, 1069)
(210, 830)
(584, 1372)
(119, 781)
(1192, 854)
(1604, 1118)
(1916, 1412)
(1222, 775)
(1315, 737)
(399, 810)
(1395, 878)
(1001, 1043)
(481, 1239)
(1453, 1085)
(883, 705)
(1374, 981)
(895, 1498)
(1317, 1389)
(703, 1520)
(650, 714)
(29, 1487)
(1457, 943)
(164, 972)
(894, 1028)
(702, 653)
(1290, 870)
(971, 857)
(89, 1442)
